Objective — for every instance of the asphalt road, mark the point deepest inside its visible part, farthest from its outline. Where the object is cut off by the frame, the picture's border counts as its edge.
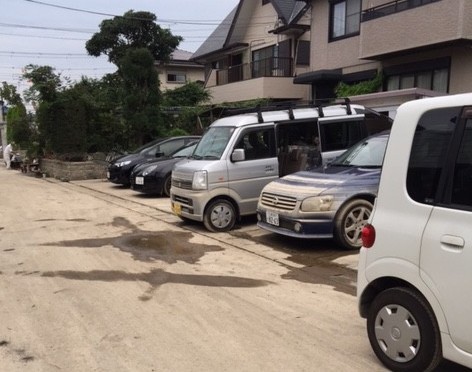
(95, 277)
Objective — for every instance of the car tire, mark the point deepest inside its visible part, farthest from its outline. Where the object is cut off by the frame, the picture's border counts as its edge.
(350, 220)
(403, 331)
(167, 184)
(219, 216)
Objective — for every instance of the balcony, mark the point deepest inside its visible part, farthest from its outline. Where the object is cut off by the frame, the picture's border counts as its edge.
(269, 78)
(391, 8)
(404, 25)
(269, 67)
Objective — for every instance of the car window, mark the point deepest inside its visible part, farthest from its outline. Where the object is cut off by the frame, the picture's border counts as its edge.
(429, 151)
(184, 152)
(257, 143)
(462, 180)
(367, 153)
(341, 135)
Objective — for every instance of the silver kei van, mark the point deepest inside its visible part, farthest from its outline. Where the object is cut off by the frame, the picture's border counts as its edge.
(238, 155)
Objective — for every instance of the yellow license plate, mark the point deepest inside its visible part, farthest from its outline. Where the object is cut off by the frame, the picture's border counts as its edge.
(177, 208)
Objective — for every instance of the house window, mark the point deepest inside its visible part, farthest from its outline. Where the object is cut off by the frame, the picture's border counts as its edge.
(345, 17)
(303, 53)
(434, 79)
(177, 77)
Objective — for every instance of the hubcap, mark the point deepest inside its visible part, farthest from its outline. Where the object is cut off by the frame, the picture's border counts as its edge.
(397, 333)
(221, 216)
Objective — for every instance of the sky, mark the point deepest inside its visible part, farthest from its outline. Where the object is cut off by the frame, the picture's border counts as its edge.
(54, 32)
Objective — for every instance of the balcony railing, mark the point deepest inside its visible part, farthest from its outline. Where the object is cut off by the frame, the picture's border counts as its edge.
(269, 67)
(392, 7)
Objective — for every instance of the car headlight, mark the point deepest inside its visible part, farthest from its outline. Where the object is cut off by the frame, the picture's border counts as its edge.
(149, 170)
(200, 180)
(317, 203)
(123, 163)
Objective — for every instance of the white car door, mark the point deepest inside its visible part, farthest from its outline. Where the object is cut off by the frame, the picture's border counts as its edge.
(446, 260)
(446, 251)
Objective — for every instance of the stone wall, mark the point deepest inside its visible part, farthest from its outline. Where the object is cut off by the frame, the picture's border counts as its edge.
(73, 171)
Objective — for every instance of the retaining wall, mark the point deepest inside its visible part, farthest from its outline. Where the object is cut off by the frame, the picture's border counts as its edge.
(73, 171)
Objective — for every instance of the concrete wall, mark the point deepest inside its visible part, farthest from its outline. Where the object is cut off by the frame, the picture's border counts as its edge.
(73, 171)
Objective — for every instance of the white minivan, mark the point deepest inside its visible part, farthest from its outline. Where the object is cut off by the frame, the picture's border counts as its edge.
(415, 269)
(238, 155)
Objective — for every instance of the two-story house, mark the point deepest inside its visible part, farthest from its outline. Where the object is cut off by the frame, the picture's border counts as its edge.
(257, 50)
(420, 48)
(179, 70)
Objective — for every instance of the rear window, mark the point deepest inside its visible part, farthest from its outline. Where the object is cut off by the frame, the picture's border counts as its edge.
(341, 135)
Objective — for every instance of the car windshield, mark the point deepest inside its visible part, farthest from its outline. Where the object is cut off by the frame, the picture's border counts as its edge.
(184, 152)
(366, 153)
(213, 143)
(144, 147)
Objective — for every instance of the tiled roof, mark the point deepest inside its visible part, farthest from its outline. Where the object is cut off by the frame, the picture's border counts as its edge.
(218, 38)
(289, 11)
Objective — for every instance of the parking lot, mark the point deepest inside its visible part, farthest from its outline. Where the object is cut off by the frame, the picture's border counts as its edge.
(98, 277)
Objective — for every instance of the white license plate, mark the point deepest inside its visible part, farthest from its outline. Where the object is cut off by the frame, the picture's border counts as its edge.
(108, 175)
(139, 181)
(272, 218)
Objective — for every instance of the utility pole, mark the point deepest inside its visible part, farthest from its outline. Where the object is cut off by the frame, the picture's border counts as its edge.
(3, 124)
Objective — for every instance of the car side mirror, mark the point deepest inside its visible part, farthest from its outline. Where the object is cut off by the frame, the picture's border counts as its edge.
(238, 155)
(159, 154)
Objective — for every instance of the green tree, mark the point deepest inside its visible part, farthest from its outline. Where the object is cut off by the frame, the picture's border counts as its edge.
(19, 128)
(134, 30)
(133, 42)
(183, 106)
(45, 84)
(9, 93)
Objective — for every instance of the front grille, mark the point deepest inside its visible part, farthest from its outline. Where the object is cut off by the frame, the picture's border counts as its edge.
(182, 184)
(182, 200)
(278, 201)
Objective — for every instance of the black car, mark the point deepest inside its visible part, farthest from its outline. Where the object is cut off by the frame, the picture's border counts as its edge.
(119, 170)
(154, 177)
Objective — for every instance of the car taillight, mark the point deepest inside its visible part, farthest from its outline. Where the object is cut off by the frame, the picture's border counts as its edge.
(368, 236)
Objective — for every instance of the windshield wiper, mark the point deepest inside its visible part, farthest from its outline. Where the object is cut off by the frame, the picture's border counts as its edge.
(211, 157)
(196, 157)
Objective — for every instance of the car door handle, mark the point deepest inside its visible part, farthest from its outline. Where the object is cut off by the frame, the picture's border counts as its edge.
(452, 240)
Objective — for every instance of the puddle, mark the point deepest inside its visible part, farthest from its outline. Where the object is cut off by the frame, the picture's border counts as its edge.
(158, 277)
(149, 246)
(316, 255)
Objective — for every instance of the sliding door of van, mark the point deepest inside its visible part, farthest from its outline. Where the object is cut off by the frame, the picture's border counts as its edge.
(338, 134)
(247, 177)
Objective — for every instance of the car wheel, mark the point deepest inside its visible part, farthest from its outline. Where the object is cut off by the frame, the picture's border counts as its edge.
(219, 216)
(167, 185)
(403, 331)
(350, 220)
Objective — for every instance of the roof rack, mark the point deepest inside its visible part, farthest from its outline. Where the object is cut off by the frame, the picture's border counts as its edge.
(286, 105)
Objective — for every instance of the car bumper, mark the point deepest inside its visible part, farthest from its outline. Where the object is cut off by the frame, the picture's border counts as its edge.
(149, 186)
(118, 177)
(321, 227)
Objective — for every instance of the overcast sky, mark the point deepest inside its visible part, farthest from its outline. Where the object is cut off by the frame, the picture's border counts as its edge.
(41, 33)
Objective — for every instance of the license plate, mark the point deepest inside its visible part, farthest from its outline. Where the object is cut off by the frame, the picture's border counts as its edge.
(108, 175)
(177, 208)
(139, 181)
(272, 218)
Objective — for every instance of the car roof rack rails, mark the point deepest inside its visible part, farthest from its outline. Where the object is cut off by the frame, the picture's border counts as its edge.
(287, 105)
(347, 102)
(320, 111)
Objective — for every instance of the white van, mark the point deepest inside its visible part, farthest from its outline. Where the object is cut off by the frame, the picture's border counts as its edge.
(414, 273)
(239, 155)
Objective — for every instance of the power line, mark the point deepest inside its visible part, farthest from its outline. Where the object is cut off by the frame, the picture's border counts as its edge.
(162, 20)
(16, 25)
